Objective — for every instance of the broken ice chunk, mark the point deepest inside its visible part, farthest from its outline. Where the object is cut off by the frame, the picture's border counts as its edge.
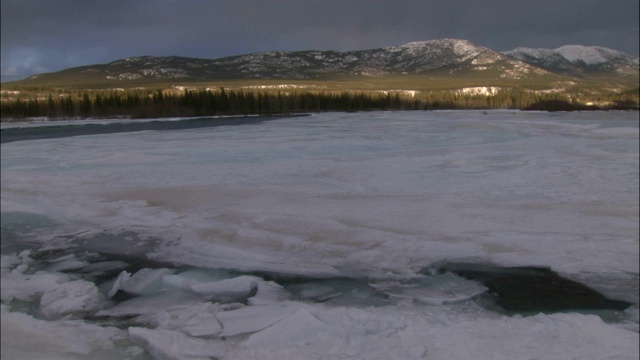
(66, 265)
(71, 298)
(28, 287)
(177, 281)
(194, 320)
(104, 267)
(173, 345)
(9, 261)
(434, 290)
(117, 284)
(297, 329)
(185, 279)
(342, 291)
(318, 293)
(254, 318)
(231, 290)
(25, 256)
(24, 337)
(153, 303)
(269, 293)
(145, 281)
(203, 325)
(20, 269)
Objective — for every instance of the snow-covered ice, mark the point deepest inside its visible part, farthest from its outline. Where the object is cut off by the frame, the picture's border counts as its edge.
(309, 237)
(24, 337)
(150, 304)
(254, 318)
(295, 330)
(195, 320)
(229, 290)
(29, 287)
(174, 345)
(435, 290)
(71, 298)
(144, 281)
(269, 293)
(65, 263)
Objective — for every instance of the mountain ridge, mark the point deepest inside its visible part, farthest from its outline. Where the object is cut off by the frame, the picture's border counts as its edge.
(576, 59)
(442, 56)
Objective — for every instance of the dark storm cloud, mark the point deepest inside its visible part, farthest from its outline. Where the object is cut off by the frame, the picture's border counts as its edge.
(40, 36)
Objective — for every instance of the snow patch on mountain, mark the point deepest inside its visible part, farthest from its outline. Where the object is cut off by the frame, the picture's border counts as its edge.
(585, 54)
(574, 58)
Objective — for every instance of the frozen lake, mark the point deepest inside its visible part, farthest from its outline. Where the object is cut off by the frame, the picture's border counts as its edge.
(372, 203)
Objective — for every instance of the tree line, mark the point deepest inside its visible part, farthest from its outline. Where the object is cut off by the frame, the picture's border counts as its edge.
(158, 103)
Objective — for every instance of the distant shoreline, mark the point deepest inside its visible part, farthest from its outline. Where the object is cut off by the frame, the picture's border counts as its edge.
(62, 129)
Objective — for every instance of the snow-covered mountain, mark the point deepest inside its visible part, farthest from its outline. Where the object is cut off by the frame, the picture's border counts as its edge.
(415, 57)
(412, 58)
(577, 59)
(441, 57)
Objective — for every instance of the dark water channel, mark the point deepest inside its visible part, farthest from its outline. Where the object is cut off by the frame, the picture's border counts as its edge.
(65, 130)
(531, 290)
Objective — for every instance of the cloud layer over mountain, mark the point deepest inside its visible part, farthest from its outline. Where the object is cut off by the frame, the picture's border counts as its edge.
(40, 36)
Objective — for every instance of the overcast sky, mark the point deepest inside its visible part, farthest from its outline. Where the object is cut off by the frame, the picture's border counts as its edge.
(50, 35)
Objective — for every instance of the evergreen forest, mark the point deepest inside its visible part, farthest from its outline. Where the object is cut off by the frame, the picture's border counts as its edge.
(146, 103)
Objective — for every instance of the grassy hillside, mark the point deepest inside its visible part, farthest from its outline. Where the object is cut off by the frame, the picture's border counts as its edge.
(441, 79)
(81, 92)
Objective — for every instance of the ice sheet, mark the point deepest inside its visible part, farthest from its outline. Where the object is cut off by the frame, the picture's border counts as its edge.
(353, 191)
(374, 195)
(420, 333)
